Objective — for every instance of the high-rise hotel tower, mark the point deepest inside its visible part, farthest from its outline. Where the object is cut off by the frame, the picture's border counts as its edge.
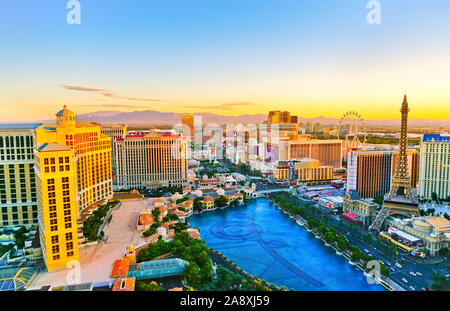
(73, 171)
(151, 159)
(18, 198)
(434, 175)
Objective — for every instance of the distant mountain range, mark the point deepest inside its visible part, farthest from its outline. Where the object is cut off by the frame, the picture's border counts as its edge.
(152, 117)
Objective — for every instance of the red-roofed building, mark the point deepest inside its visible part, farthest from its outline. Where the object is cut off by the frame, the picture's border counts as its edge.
(210, 183)
(145, 221)
(193, 233)
(124, 285)
(120, 268)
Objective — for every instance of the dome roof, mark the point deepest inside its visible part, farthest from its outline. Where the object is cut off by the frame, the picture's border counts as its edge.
(64, 112)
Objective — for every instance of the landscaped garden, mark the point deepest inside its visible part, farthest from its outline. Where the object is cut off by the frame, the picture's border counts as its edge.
(91, 226)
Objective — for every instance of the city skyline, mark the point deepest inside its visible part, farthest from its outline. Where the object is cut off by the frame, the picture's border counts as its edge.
(313, 59)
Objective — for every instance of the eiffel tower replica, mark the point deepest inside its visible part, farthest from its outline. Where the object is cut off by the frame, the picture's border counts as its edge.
(400, 200)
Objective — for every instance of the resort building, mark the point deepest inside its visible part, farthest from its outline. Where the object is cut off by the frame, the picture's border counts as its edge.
(283, 117)
(18, 198)
(114, 131)
(434, 166)
(151, 159)
(358, 210)
(370, 172)
(92, 155)
(310, 171)
(188, 121)
(327, 152)
(432, 231)
(281, 172)
(57, 205)
(73, 172)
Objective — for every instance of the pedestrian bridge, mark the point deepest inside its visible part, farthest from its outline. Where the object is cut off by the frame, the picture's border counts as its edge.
(263, 193)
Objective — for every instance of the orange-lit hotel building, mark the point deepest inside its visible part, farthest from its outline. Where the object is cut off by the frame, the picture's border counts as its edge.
(73, 171)
(328, 152)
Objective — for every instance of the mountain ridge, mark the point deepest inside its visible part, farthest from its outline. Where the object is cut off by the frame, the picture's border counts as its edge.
(169, 118)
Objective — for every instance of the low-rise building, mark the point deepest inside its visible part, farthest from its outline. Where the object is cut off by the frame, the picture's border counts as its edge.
(193, 233)
(209, 183)
(364, 210)
(208, 203)
(124, 285)
(332, 202)
(434, 231)
(310, 171)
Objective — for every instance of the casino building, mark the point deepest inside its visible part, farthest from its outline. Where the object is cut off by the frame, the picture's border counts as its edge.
(151, 159)
(18, 198)
(73, 171)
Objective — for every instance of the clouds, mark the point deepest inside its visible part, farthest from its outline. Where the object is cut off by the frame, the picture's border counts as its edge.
(82, 88)
(107, 93)
(227, 106)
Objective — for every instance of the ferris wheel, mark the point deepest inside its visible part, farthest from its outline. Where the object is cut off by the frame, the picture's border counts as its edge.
(353, 125)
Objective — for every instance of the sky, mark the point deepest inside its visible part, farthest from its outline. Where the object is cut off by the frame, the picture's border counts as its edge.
(230, 57)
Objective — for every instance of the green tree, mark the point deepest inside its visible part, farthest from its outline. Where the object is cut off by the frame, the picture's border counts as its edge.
(20, 237)
(379, 200)
(440, 282)
(148, 286)
(198, 204)
(221, 201)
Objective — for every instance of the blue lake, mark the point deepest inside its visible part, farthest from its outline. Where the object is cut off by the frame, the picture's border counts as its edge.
(265, 242)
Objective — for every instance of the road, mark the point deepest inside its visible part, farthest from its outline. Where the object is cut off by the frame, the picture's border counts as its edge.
(409, 269)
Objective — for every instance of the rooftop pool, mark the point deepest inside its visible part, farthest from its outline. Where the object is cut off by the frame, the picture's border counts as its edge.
(265, 242)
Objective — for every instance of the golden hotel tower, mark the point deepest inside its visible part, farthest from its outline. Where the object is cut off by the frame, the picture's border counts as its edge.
(76, 158)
